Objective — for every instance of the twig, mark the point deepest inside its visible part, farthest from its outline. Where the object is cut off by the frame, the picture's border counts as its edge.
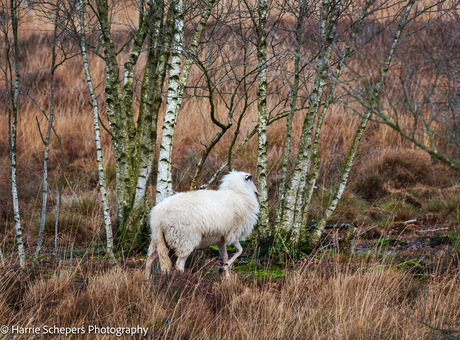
(365, 231)
(2, 260)
(428, 230)
(105, 128)
(71, 256)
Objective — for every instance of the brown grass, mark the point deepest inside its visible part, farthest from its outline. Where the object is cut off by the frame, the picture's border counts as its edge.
(324, 299)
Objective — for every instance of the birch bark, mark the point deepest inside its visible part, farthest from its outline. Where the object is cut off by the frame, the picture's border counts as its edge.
(176, 85)
(294, 92)
(164, 178)
(14, 111)
(97, 135)
(314, 152)
(376, 93)
(47, 139)
(116, 114)
(293, 202)
(263, 222)
(151, 98)
(134, 146)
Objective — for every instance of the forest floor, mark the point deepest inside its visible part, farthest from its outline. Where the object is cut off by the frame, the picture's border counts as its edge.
(402, 285)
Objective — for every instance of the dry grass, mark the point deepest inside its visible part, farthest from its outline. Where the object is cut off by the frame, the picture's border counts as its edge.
(324, 299)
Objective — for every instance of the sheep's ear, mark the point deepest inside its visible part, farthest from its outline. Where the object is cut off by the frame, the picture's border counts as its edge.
(248, 177)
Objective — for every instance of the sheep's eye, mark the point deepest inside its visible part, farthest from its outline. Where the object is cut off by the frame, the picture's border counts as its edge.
(248, 177)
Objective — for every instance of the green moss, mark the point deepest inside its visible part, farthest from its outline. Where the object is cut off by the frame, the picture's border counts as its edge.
(385, 242)
(399, 210)
(413, 265)
(261, 272)
(230, 249)
(410, 265)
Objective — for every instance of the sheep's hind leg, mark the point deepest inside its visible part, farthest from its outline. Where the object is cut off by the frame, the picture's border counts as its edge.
(180, 263)
(150, 259)
(227, 264)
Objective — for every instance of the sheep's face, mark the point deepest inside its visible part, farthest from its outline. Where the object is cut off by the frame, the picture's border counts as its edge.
(250, 183)
(239, 181)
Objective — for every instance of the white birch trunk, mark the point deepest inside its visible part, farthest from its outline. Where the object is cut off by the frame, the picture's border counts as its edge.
(14, 187)
(263, 222)
(294, 91)
(174, 99)
(156, 62)
(316, 236)
(176, 86)
(97, 133)
(293, 202)
(47, 141)
(315, 156)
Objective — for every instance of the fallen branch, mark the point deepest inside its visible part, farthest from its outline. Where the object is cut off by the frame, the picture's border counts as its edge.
(428, 230)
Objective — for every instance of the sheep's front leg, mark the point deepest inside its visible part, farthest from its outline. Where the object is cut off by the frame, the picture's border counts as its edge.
(239, 251)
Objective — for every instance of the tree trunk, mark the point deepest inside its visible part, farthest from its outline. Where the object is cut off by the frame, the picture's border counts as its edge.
(174, 101)
(293, 92)
(13, 112)
(47, 139)
(263, 222)
(116, 114)
(176, 87)
(294, 196)
(97, 134)
(376, 93)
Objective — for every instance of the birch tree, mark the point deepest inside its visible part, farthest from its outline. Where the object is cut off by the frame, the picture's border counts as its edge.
(132, 142)
(159, 34)
(97, 135)
(174, 100)
(376, 94)
(294, 90)
(176, 85)
(263, 223)
(329, 13)
(46, 140)
(11, 73)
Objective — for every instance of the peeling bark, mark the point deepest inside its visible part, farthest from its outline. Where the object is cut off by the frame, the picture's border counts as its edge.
(14, 112)
(97, 135)
(263, 222)
(176, 86)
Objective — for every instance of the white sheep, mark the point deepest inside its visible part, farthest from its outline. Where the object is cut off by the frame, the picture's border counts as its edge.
(198, 219)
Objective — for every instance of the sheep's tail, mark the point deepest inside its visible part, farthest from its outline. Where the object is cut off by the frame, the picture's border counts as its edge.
(162, 250)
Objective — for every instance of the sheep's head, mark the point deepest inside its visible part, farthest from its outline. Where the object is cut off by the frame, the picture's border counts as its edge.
(239, 181)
